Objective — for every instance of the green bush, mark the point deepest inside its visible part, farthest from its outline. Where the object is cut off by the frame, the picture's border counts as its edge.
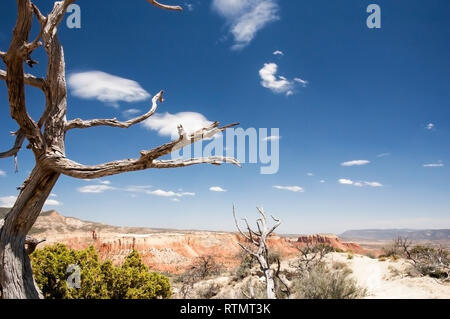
(132, 280)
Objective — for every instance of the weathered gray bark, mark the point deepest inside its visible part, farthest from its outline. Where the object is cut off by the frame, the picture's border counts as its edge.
(47, 141)
(258, 239)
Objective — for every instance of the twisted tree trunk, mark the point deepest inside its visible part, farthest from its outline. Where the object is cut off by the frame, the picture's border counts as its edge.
(16, 276)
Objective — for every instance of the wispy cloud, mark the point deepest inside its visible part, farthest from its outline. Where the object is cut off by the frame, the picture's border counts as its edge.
(9, 201)
(95, 189)
(106, 88)
(302, 82)
(2, 173)
(271, 138)
(163, 193)
(246, 17)
(295, 189)
(356, 163)
(166, 124)
(217, 189)
(345, 181)
(189, 6)
(434, 165)
(383, 154)
(430, 126)
(310, 174)
(276, 83)
(278, 52)
(130, 112)
(52, 202)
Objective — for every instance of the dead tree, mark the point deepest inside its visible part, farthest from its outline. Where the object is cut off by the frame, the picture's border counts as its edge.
(427, 260)
(46, 138)
(258, 240)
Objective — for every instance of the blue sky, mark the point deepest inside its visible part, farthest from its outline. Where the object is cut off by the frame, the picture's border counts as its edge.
(364, 114)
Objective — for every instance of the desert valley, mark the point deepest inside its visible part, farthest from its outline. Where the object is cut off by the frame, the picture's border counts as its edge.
(173, 252)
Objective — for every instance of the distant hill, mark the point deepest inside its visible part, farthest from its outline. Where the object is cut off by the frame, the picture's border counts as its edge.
(388, 234)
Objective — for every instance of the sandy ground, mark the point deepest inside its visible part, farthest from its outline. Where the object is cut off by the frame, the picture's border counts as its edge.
(388, 279)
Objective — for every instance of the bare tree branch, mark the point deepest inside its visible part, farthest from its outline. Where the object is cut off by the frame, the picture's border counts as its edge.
(78, 123)
(165, 6)
(59, 163)
(29, 79)
(214, 160)
(20, 138)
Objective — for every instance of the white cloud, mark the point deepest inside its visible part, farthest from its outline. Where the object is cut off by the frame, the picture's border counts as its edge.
(304, 83)
(345, 181)
(430, 126)
(278, 52)
(53, 195)
(7, 201)
(277, 84)
(166, 124)
(217, 189)
(246, 17)
(310, 174)
(295, 189)
(271, 138)
(356, 163)
(105, 87)
(434, 165)
(130, 112)
(163, 193)
(373, 184)
(383, 154)
(104, 182)
(2, 173)
(322, 181)
(95, 189)
(270, 81)
(52, 202)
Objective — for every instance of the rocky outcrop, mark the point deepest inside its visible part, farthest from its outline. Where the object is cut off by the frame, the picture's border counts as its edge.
(330, 240)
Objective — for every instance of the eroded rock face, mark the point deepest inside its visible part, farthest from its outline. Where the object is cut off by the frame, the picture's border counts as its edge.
(330, 240)
(164, 250)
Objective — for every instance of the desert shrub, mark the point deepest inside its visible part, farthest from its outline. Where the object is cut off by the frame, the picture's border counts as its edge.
(319, 282)
(350, 256)
(337, 265)
(245, 267)
(208, 291)
(274, 256)
(427, 260)
(311, 256)
(204, 267)
(371, 255)
(99, 280)
(253, 289)
(391, 251)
